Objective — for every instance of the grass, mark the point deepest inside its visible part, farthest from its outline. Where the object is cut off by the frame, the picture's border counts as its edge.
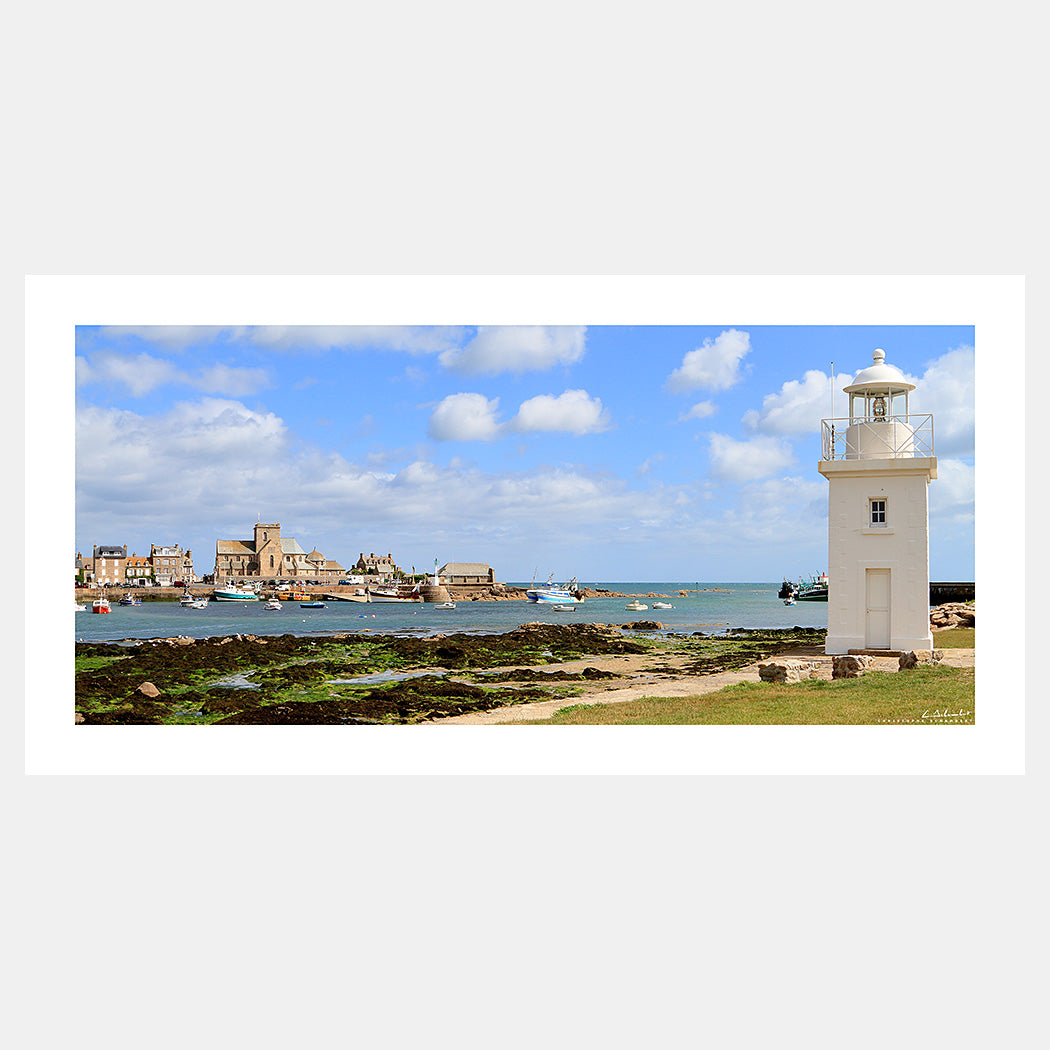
(924, 696)
(955, 638)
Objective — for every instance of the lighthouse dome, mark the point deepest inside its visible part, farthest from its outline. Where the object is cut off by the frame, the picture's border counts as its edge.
(880, 376)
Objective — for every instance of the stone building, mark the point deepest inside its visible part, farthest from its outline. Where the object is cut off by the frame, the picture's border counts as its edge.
(170, 564)
(377, 565)
(467, 572)
(269, 555)
(107, 565)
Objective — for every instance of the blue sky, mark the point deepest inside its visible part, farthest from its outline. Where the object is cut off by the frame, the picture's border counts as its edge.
(607, 452)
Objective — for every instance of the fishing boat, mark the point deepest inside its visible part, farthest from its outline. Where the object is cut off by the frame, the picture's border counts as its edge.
(332, 596)
(635, 606)
(232, 593)
(813, 590)
(787, 589)
(100, 605)
(129, 599)
(187, 599)
(567, 593)
(311, 605)
(394, 593)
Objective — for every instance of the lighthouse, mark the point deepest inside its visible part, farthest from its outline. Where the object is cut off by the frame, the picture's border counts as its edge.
(879, 463)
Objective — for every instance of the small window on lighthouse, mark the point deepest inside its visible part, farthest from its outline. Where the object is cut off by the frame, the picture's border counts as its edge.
(878, 513)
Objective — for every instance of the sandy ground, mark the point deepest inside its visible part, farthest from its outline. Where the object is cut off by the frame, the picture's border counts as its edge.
(662, 676)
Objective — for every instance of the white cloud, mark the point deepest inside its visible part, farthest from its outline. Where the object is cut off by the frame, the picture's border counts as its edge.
(473, 417)
(738, 461)
(799, 406)
(465, 417)
(952, 493)
(701, 410)
(139, 373)
(947, 389)
(574, 412)
(714, 365)
(517, 348)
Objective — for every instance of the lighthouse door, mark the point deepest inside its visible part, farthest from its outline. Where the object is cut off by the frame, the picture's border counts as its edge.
(877, 620)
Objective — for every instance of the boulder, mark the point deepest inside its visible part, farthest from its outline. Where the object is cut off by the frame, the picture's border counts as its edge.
(644, 625)
(851, 666)
(787, 670)
(148, 689)
(919, 657)
(952, 614)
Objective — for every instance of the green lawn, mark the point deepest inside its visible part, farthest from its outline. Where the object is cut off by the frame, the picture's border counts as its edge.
(923, 696)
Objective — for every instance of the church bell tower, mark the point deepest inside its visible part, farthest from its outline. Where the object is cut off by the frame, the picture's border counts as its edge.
(879, 463)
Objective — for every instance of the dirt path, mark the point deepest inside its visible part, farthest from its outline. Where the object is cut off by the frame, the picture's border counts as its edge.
(647, 679)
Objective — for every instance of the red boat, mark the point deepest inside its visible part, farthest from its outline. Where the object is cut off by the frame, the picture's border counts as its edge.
(100, 605)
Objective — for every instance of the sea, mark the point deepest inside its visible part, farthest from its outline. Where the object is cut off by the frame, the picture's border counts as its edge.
(708, 608)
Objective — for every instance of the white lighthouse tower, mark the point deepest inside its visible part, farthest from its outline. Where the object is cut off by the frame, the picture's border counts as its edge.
(879, 464)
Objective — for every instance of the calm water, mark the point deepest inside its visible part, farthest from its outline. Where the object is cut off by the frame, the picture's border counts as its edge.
(714, 610)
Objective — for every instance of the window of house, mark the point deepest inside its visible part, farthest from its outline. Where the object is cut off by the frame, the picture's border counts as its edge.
(877, 516)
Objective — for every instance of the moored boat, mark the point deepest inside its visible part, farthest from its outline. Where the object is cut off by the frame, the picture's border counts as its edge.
(394, 593)
(232, 593)
(443, 605)
(100, 605)
(635, 606)
(567, 593)
(77, 607)
(274, 604)
(813, 590)
(129, 599)
(311, 605)
(662, 605)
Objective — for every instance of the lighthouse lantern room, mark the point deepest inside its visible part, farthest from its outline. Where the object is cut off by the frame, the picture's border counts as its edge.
(879, 463)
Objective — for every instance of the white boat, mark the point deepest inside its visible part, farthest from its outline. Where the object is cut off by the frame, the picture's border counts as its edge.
(564, 608)
(187, 599)
(662, 605)
(129, 599)
(199, 603)
(635, 606)
(232, 593)
(78, 607)
(333, 597)
(444, 605)
(789, 601)
(566, 594)
(394, 593)
(274, 604)
(100, 605)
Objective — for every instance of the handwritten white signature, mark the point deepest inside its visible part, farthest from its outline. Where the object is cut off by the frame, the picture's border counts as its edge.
(945, 713)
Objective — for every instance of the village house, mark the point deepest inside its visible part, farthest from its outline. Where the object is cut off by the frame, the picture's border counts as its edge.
(107, 565)
(269, 555)
(138, 572)
(378, 565)
(170, 564)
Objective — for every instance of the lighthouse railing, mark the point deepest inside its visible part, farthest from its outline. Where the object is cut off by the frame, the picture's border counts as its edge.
(895, 437)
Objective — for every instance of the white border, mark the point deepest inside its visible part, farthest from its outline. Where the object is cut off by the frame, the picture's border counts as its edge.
(55, 305)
